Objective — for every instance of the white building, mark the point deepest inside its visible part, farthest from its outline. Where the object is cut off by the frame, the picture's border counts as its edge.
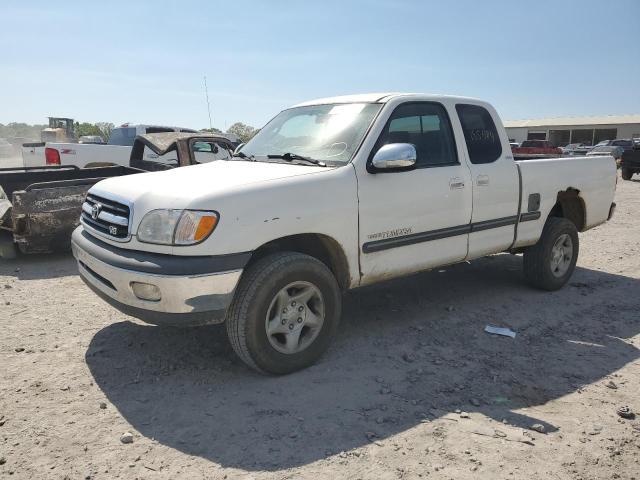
(562, 131)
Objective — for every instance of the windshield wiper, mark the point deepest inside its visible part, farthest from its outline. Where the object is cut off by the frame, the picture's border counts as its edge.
(244, 156)
(292, 157)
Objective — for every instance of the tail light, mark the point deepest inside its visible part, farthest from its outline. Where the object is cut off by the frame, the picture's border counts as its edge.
(52, 156)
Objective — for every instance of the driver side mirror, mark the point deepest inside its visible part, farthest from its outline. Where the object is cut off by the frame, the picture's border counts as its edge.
(395, 156)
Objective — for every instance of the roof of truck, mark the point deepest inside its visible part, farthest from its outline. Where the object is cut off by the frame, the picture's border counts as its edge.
(380, 97)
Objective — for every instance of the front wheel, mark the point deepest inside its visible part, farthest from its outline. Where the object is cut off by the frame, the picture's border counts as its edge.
(284, 313)
(548, 264)
(626, 174)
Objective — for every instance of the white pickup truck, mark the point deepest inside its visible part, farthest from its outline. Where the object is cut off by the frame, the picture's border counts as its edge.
(332, 195)
(115, 152)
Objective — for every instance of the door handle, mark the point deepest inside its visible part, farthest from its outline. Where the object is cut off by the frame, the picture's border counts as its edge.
(482, 180)
(456, 183)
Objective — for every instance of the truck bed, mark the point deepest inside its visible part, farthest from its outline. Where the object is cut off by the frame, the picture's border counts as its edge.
(592, 177)
(41, 205)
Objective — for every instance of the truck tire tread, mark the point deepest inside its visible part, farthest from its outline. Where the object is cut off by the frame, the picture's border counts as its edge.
(536, 258)
(255, 277)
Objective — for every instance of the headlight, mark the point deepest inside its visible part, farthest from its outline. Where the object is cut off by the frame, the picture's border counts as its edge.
(177, 227)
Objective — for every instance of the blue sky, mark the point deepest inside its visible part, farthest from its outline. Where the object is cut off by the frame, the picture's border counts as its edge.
(144, 62)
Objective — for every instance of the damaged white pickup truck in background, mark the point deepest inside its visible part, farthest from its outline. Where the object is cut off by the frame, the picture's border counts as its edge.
(332, 195)
(86, 155)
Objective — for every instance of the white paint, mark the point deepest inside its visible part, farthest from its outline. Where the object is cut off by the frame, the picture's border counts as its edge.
(259, 202)
(83, 154)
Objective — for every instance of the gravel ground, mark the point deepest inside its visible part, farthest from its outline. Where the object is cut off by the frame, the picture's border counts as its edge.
(11, 162)
(411, 388)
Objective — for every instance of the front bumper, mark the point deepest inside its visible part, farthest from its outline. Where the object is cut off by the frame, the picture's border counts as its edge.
(192, 290)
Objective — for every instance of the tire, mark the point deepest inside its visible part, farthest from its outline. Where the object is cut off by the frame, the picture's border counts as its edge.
(540, 269)
(626, 174)
(8, 250)
(268, 281)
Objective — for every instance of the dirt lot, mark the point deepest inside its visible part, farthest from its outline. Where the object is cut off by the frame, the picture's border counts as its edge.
(11, 162)
(412, 387)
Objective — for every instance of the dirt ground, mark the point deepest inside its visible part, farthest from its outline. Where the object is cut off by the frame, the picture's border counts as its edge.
(11, 162)
(411, 388)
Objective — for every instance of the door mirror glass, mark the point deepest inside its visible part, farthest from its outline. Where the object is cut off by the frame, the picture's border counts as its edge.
(395, 156)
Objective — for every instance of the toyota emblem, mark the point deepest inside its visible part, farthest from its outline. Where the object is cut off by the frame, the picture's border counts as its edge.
(95, 210)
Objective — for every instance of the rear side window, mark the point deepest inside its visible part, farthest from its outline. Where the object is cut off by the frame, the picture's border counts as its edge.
(426, 126)
(480, 133)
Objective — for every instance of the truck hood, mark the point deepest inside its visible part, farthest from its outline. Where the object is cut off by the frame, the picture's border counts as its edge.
(178, 187)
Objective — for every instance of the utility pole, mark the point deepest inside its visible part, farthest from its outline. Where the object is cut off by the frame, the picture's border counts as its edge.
(206, 92)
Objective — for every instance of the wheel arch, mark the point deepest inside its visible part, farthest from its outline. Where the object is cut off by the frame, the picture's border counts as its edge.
(320, 246)
(570, 205)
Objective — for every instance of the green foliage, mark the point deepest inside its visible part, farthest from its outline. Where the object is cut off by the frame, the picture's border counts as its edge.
(15, 129)
(101, 129)
(86, 129)
(105, 129)
(211, 130)
(243, 131)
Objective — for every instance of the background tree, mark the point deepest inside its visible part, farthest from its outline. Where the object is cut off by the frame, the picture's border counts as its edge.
(105, 128)
(16, 129)
(211, 130)
(86, 129)
(243, 131)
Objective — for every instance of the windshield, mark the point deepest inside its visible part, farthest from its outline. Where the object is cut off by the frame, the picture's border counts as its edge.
(329, 133)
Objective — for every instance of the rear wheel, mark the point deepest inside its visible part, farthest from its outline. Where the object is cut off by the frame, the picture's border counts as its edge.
(284, 313)
(8, 249)
(548, 265)
(626, 174)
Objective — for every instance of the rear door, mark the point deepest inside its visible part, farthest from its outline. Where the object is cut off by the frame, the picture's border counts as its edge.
(496, 185)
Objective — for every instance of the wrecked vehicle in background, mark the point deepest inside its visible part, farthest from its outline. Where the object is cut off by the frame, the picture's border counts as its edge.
(83, 154)
(41, 206)
(630, 163)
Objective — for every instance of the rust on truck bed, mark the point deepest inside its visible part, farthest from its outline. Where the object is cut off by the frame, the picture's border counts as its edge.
(40, 206)
(44, 219)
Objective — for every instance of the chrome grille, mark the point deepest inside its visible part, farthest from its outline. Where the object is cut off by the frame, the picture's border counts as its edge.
(107, 217)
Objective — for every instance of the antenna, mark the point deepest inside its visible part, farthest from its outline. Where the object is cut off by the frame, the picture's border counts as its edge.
(206, 92)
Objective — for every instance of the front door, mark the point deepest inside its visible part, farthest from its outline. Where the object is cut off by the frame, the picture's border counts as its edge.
(417, 219)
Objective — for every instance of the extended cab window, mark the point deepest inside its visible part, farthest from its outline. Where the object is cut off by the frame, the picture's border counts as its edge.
(426, 126)
(480, 133)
